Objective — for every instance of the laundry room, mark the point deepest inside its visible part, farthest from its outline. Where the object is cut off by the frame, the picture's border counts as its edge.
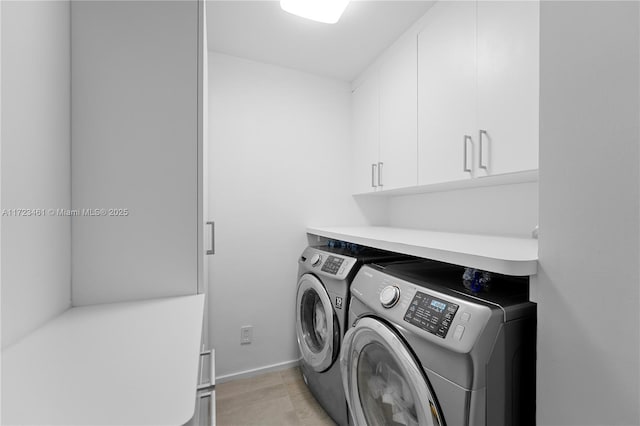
(233, 212)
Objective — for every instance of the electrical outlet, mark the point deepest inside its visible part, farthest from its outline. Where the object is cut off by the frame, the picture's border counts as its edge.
(246, 334)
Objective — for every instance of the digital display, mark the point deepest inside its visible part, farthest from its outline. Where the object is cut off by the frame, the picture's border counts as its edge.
(438, 306)
(431, 314)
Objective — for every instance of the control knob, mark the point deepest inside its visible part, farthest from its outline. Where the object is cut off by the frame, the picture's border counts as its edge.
(389, 296)
(315, 259)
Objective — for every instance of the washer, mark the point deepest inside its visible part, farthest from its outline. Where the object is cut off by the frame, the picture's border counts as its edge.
(324, 276)
(422, 350)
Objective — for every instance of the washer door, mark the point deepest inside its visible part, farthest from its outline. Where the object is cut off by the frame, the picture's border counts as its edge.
(317, 327)
(382, 380)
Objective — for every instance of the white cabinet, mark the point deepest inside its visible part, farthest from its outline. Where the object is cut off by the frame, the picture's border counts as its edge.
(136, 145)
(365, 116)
(385, 122)
(446, 92)
(478, 81)
(508, 85)
(399, 116)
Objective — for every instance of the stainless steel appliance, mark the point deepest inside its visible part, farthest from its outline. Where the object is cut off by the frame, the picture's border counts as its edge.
(324, 276)
(423, 350)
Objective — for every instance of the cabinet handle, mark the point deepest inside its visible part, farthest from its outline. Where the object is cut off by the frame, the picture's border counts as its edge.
(465, 167)
(211, 383)
(373, 175)
(380, 174)
(482, 133)
(211, 410)
(212, 250)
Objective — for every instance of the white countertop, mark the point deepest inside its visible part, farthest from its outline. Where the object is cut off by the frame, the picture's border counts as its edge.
(130, 363)
(504, 255)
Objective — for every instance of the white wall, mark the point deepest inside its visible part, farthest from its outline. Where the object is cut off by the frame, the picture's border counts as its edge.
(587, 285)
(499, 210)
(35, 251)
(135, 147)
(279, 162)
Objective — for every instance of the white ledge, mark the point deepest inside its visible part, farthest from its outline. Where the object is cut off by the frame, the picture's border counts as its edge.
(130, 363)
(503, 255)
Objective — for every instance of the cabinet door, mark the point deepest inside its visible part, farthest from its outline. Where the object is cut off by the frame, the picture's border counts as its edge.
(508, 85)
(446, 91)
(135, 147)
(366, 133)
(399, 116)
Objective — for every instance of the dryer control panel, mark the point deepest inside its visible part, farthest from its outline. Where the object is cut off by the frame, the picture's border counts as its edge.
(324, 263)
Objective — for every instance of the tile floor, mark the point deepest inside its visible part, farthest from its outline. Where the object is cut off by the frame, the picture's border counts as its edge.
(277, 398)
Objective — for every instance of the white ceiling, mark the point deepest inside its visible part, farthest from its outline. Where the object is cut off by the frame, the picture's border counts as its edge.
(261, 31)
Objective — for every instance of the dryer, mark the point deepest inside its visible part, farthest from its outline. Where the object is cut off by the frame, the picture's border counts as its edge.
(324, 276)
(423, 350)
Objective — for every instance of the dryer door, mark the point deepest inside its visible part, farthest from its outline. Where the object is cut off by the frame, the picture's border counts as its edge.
(382, 380)
(317, 327)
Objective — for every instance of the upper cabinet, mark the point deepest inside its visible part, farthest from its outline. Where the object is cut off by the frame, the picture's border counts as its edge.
(446, 92)
(385, 121)
(508, 85)
(399, 116)
(478, 79)
(366, 137)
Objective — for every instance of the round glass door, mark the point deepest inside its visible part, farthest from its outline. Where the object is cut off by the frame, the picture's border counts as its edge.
(317, 328)
(382, 380)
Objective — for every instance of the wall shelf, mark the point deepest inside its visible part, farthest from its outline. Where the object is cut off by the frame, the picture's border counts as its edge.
(495, 180)
(504, 255)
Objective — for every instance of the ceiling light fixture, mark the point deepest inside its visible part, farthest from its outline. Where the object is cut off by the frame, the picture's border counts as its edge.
(327, 11)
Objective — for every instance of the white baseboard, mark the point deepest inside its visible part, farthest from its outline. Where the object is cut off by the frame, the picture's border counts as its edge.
(257, 371)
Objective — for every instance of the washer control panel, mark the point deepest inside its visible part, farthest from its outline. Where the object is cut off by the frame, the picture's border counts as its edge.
(431, 314)
(453, 322)
(332, 264)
